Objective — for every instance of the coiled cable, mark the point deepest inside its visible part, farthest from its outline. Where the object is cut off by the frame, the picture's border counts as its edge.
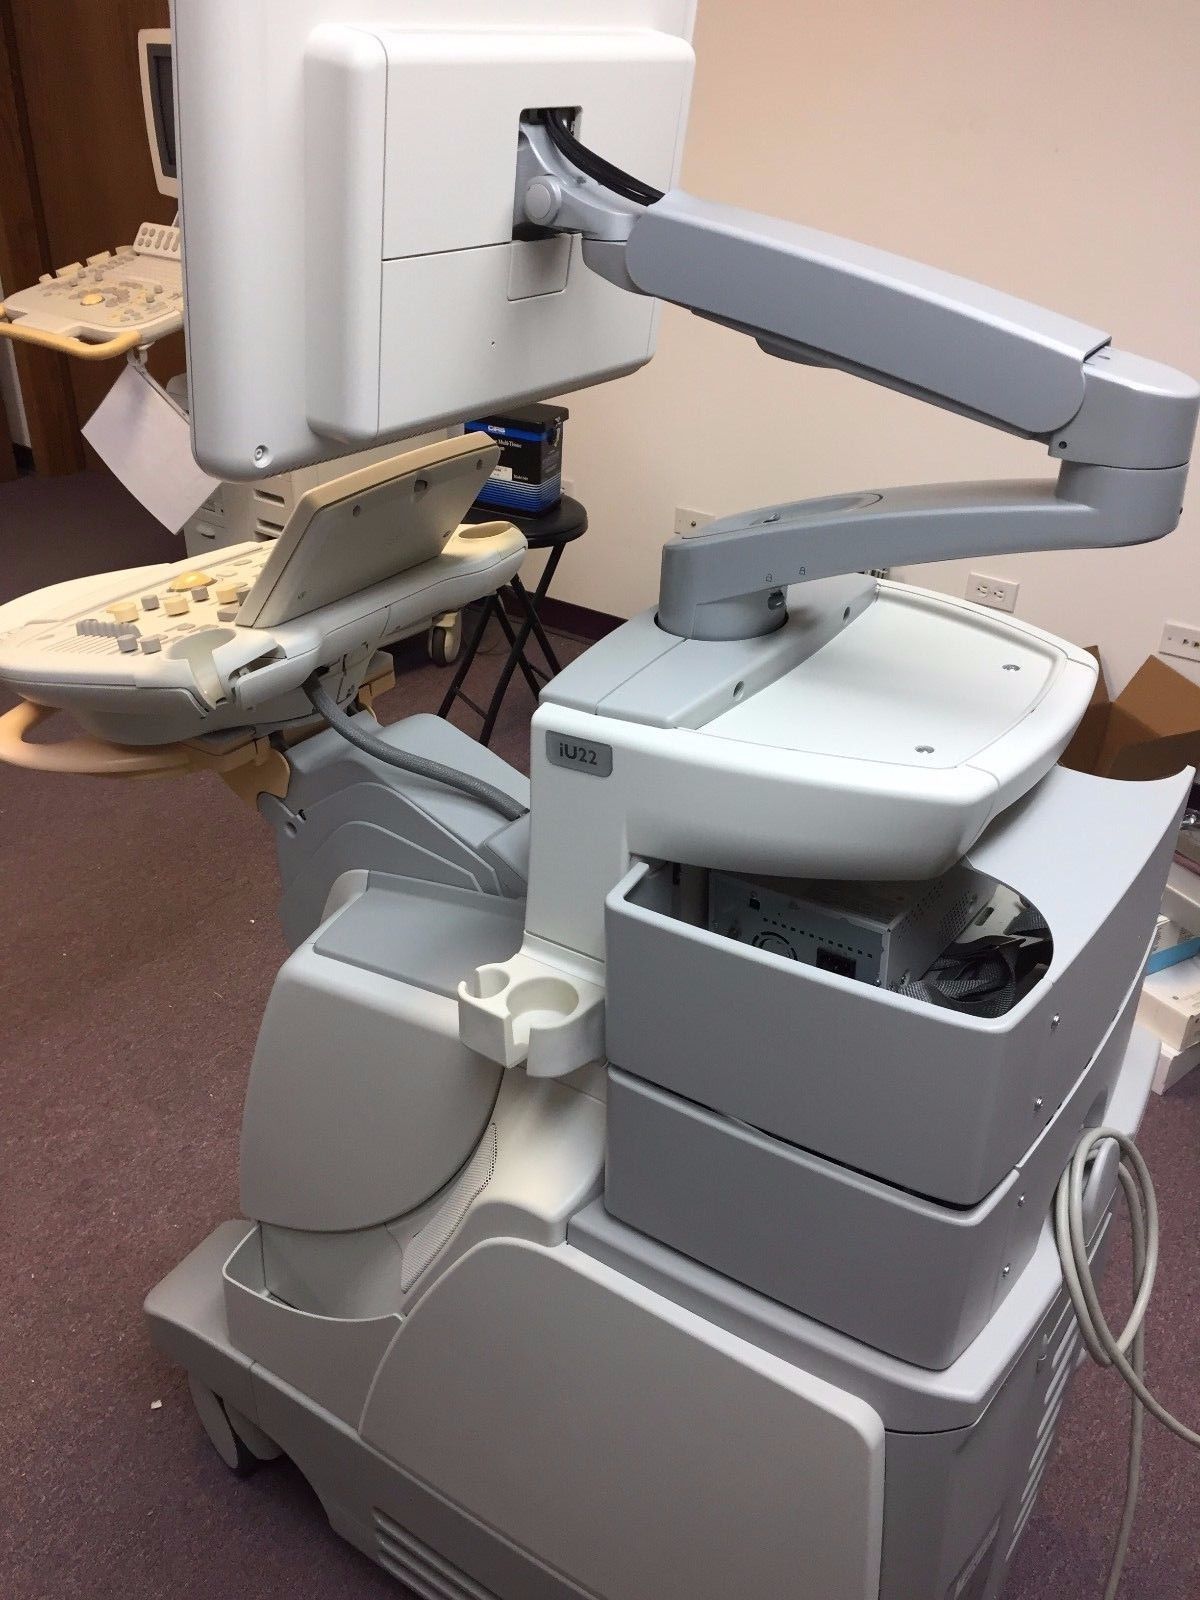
(1126, 1352)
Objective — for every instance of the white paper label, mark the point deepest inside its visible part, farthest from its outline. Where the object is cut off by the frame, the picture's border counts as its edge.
(145, 441)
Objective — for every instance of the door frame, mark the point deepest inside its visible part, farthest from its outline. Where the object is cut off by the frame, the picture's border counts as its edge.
(24, 255)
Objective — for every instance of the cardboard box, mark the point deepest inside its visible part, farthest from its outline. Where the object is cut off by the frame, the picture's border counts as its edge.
(1170, 1004)
(1151, 730)
(1181, 901)
(1173, 1065)
(1171, 945)
(528, 476)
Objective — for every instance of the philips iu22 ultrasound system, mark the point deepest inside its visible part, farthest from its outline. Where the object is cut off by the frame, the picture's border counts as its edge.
(683, 1173)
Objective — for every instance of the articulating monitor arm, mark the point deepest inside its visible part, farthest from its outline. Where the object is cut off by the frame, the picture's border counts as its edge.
(1121, 426)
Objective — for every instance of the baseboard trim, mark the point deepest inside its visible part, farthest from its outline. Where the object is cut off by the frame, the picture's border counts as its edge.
(581, 622)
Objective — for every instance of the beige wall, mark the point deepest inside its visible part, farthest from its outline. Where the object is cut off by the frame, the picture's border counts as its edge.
(1051, 150)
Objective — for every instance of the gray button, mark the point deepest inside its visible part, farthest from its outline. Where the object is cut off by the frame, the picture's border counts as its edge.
(227, 614)
(151, 647)
(150, 602)
(198, 594)
(127, 644)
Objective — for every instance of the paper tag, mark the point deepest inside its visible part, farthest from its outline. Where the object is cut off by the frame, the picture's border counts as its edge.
(145, 441)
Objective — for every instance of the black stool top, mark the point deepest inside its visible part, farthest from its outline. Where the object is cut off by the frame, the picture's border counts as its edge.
(567, 522)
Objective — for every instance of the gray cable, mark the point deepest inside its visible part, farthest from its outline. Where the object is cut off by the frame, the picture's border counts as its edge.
(1105, 1349)
(420, 766)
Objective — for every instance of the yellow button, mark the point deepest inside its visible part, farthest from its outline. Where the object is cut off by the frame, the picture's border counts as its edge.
(124, 611)
(190, 580)
(175, 605)
(227, 594)
(92, 300)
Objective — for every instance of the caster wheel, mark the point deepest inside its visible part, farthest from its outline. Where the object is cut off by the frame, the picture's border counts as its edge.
(241, 1446)
(445, 642)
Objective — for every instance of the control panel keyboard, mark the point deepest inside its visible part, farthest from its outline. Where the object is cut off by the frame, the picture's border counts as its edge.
(153, 239)
(167, 653)
(139, 286)
(161, 613)
(160, 654)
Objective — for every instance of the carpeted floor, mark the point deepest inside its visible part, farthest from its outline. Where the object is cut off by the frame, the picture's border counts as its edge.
(137, 948)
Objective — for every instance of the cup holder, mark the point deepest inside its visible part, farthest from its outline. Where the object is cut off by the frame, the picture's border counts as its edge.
(486, 983)
(525, 1011)
(541, 1002)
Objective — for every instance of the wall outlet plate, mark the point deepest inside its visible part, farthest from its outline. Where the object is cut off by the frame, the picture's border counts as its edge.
(1180, 639)
(687, 521)
(999, 593)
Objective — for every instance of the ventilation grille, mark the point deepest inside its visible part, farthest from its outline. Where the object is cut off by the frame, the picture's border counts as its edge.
(84, 644)
(957, 918)
(421, 1568)
(1058, 1378)
(428, 1241)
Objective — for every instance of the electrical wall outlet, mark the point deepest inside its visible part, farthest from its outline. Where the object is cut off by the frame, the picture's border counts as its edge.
(999, 593)
(1180, 639)
(688, 521)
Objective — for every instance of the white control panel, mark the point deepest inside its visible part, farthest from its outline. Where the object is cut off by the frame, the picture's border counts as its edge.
(139, 286)
(156, 655)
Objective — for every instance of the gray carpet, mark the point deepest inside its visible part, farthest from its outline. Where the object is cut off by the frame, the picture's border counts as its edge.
(137, 948)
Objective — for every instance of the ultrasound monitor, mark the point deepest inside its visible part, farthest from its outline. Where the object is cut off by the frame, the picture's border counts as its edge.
(158, 104)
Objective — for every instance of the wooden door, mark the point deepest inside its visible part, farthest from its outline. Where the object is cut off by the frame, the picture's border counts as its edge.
(24, 253)
(77, 66)
(8, 461)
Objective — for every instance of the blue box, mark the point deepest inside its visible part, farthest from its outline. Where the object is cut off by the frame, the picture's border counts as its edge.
(528, 476)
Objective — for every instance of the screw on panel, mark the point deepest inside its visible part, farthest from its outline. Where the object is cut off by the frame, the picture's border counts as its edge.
(1020, 1200)
(1054, 1022)
(1037, 1104)
(1007, 1270)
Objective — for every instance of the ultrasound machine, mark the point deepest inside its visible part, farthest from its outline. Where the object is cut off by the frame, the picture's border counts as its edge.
(683, 1172)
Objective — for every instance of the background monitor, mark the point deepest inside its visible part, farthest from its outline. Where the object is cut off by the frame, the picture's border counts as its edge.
(158, 104)
(348, 176)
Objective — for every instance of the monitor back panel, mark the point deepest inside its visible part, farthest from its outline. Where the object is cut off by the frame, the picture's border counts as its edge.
(348, 175)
